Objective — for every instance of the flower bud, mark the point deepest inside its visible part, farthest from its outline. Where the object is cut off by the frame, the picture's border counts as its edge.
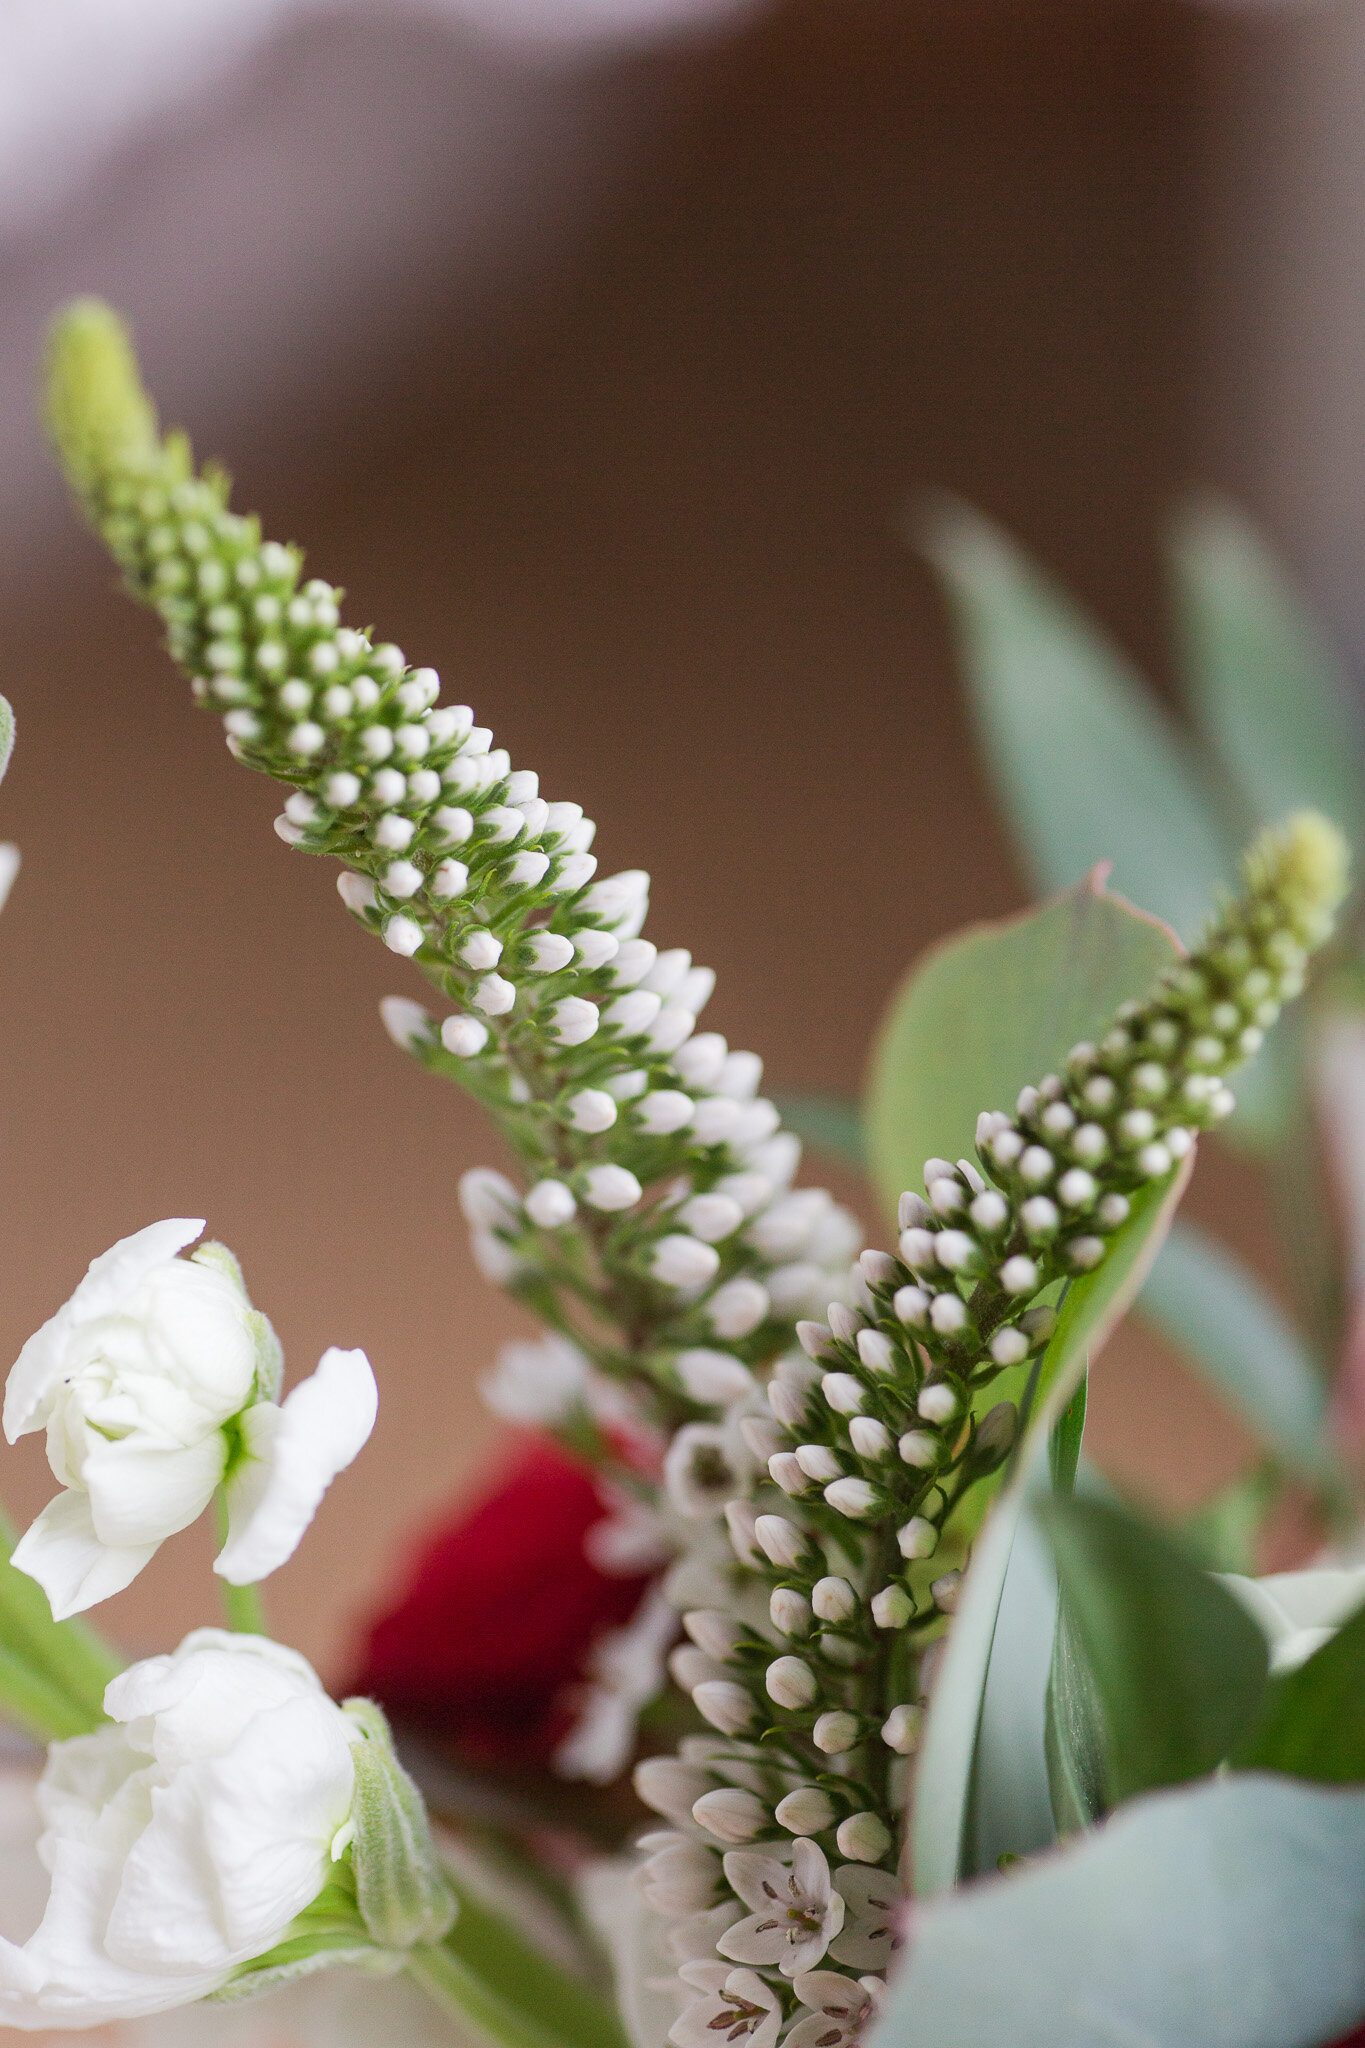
(780, 1540)
(402, 1893)
(937, 1403)
(550, 1204)
(784, 1469)
(870, 1439)
(807, 1811)
(680, 1261)
(731, 1814)
(737, 1308)
(464, 1036)
(611, 1188)
(917, 1448)
(863, 1838)
(844, 1393)
(790, 1682)
(713, 1631)
(891, 1608)
(741, 1522)
(834, 1599)
(835, 1732)
(856, 1498)
(994, 1438)
(591, 1110)
(671, 1787)
(900, 1730)
(819, 1462)
(918, 1538)
(713, 1376)
(724, 1704)
(790, 1611)
(876, 1351)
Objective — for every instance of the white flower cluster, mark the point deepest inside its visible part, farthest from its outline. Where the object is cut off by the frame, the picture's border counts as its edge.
(785, 1829)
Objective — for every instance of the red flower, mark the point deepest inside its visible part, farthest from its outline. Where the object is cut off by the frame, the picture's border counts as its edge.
(498, 1612)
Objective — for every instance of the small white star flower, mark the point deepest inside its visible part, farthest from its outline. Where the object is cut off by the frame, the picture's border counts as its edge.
(841, 2007)
(870, 1933)
(795, 1912)
(741, 2008)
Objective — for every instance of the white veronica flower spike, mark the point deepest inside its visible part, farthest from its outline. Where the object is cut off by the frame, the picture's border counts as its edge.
(183, 1840)
(156, 1384)
(795, 1911)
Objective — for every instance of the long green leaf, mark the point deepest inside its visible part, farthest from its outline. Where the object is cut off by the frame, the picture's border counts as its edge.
(486, 1972)
(1010, 1806)
(991, 1009)
(65, 1658)
(1179, 1666)
(831, 1123)
(1268, 691)
(1211, 1308)
(1315, 1727)
(1088, 767)
(1226, 1915)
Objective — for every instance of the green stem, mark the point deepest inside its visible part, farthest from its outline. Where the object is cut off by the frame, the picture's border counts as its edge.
(241, 1604)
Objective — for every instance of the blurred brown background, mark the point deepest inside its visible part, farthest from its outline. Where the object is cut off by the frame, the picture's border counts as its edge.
(626, 453)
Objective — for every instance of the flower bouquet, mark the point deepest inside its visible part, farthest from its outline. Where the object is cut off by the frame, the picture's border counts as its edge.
(946, 1745)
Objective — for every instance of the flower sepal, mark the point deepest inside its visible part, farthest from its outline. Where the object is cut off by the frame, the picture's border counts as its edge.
(401, 1891)
(329, 1931)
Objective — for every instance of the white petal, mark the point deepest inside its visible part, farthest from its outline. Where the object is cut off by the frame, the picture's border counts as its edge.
(294, 1454)
(108, 1280)
(761, 1881)
(62, 1552)
(761, 1939)
(142, 1494)
(198, 1702)
(829, 1991)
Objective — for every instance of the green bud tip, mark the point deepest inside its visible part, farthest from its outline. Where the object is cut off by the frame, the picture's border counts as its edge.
(1303, 865)
(95, 406)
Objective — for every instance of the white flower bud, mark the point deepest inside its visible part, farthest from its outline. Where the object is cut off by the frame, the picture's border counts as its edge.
(573, 1020)
(494, 995)
(1179, 1142)
(947, 1314)
(918, 1538)
(891, 1608)
(784, 1470)
(591, 1110)
(790, 1682)
(1085, 1253)
(877, 1268)
(376, 743)
(525, 870)
(730, 1814)
(856, 1498)
(714, 1632)
(876, 1350)
(863, 1838)
(739, 1076)
(402, 878)
(761, 1436)
(738, 1307)
(356, 892)
(1039, 1216)
(946, 1196)
(741, 1522)
(918, 1449)
(715, 1119)
(395, 833)
(834, 1599)
(807, 1811)
(819, 1462)
(550, 1204)
(789, 1611)
(449, 880)
(946, 1592)
(844, 1393)
(574, 870)
(1112, 1210)
(724, 1704)
(1009, 1347)
(990, 1212)
(900, 1730)
(711, 1217)
(714, 1376)
(1077, 1189)
(1018, 1275)
(836, 1732)
(611, 1187)
(1090, 1144)
(917, 1248)
(403, 935)
(596, 948)
(424, 785)
(406, 1022)
(1006, 1146)
(306, 737)
(956, 1252)
(1036, 1166)
(814, 1339)
(780, 1540)
(937, 1402)
(342, 789)
(869, 1438)
(464, 1036)
(671, 1028)
(680, 1261)
(1154, 1160)
(620, 900)
(481, 951)
(911, 1305)
(487, 1198)
(1137, 1126)
(664, 1111)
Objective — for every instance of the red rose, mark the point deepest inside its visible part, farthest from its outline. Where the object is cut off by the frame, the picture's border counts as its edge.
(498, 1612)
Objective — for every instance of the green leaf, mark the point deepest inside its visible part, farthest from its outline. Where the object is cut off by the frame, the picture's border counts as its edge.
(991, 1009)
(1179, 1666)
(1202, 1300)
(1088, 768)
(1225, 1531)
(1074, 1733)
(487, 1972)
(829, 1123)
(1010, 1807)
(63, 1661)
(1064, 1442)
(1268, 691)
(1315, 1727)
(1227, 1915)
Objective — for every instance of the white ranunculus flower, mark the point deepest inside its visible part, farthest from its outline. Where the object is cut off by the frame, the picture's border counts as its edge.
(1299, 1611)
(183, 1840)
(156, 1384)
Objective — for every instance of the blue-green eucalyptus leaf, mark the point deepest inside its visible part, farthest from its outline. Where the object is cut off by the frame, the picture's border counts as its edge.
(1087, 765)
(830, 1124)
(1226, 1915)
(1267, 689)
(1206, 1303)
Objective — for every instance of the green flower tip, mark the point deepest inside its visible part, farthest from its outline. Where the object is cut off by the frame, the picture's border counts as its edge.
(1303, 865)
(96, 409)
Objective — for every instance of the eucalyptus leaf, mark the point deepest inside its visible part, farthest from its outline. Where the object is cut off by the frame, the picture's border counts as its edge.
(1010, 1802)
(1225, 1915)
(1268, 691)
(1315, 1727)
(1087, 765)
(991, 1009)
(1179, 1667)
(1205, 1302)
(1225, 1531)
(1073, 1734)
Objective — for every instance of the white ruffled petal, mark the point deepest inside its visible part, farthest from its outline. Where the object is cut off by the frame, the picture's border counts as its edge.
(62, 1552)
(109, 1278)
(294, 1454)
(140, 1493)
